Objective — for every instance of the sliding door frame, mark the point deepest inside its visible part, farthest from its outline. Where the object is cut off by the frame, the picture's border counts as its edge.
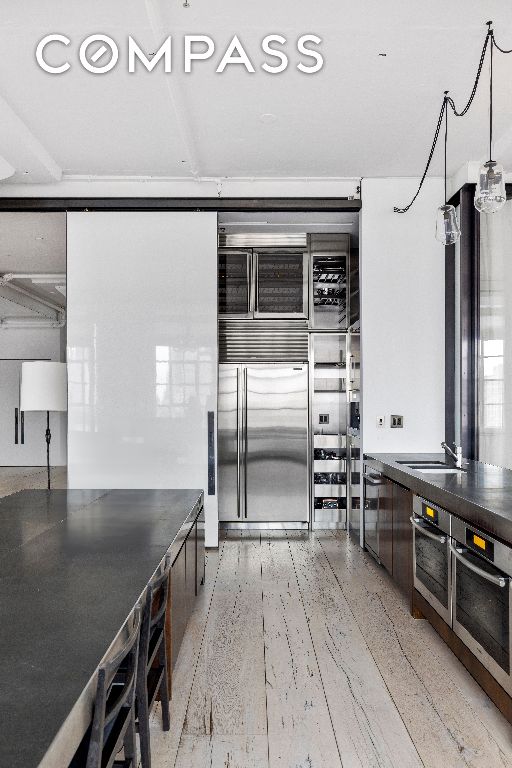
(469, 324)
(239, 204)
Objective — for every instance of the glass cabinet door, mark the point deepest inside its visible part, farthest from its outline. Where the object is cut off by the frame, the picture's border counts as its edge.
(234, 285)
(331, 283)
(281, 284)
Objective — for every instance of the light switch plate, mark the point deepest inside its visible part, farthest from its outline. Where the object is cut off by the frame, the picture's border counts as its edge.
(323, 418)
(397, 422)
(381, 421)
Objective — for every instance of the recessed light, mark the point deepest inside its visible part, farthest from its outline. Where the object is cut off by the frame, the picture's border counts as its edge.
(268, 118)
(40, 237)
(383, 54)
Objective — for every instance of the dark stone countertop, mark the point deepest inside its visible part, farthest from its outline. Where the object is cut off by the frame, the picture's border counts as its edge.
(482, 495)
(73, 565)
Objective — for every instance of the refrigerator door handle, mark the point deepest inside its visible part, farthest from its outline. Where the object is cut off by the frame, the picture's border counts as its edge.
(238, 442)
(352, 375)
(244, 428)
(255, 282)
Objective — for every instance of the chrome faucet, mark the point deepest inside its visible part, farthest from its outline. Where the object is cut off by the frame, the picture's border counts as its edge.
(456, 454)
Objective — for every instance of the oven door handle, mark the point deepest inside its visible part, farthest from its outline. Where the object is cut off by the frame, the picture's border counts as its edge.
(372, 480)
(499, 581)
(416, 523)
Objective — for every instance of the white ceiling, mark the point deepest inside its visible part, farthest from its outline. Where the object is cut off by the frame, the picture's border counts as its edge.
(362, 115)
(32, 242)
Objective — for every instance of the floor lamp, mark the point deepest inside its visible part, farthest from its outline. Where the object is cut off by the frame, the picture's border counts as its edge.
(44, 387)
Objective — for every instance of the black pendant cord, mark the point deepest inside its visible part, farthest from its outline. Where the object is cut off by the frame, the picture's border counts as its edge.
(490, 99)
(445, 143)
(431, 155)
(472, 95)
(448, 101)
(495, 44)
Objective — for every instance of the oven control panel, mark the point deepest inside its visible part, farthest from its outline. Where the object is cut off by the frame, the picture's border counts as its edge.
(432, 514)
(480, 543)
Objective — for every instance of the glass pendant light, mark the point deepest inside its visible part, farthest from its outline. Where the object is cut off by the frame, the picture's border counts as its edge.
(490, 193)
(447, 226)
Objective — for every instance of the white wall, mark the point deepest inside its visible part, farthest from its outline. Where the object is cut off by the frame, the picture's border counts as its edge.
(28, 343)
(171, 187)
(142, 350)
(402, 295)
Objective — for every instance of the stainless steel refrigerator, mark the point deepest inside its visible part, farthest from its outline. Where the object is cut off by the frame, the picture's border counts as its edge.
(263, 443)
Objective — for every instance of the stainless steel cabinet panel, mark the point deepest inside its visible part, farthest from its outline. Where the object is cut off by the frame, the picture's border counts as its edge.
(263, 443)
(276, 413)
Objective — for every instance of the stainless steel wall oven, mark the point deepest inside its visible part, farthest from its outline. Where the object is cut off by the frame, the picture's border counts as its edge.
(431, 555)
(482, 567)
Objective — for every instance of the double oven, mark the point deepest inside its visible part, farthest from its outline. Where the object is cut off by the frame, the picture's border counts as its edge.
(466, 576)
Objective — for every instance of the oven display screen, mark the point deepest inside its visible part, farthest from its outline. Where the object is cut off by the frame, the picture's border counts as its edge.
(430, 514)
(480, 544)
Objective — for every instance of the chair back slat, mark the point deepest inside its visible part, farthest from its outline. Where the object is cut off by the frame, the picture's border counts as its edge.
(115, 698)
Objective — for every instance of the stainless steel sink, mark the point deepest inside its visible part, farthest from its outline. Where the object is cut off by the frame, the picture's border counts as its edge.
(432, 467)
(438, 470)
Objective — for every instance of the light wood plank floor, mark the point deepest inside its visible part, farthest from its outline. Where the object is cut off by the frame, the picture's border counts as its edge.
(302, 654)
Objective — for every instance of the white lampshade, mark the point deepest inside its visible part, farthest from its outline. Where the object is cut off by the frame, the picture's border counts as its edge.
(44, 386)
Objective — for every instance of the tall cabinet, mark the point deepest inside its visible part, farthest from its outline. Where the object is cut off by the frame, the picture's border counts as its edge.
(335, 380)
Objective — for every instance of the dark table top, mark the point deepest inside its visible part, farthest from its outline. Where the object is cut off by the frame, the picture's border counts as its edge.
(73, 565)
(482, 495)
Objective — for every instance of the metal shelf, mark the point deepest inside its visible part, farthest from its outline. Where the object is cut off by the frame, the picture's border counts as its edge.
(329, 465)
(330, 491)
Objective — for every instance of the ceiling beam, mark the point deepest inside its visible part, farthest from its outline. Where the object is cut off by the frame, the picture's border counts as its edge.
(6, 169)
(175, 97)
(31, 303)
(29, 160)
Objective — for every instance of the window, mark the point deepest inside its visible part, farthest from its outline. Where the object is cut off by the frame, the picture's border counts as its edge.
(495, 322)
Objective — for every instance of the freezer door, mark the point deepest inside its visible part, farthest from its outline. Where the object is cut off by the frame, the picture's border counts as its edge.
(275, 441)
(228, 442)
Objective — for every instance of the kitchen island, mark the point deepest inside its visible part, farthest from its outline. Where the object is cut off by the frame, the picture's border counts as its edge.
(444, 534)
(73, 566)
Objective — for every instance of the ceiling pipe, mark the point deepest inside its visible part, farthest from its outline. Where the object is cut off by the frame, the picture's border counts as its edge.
(32, 322)
(39, 277)
(7, 280)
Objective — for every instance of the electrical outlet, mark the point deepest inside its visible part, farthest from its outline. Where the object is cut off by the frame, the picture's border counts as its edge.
(381, 421)
(396, 421)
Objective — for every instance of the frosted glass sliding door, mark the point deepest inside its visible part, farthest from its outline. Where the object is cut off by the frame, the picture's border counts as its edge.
(142, 350)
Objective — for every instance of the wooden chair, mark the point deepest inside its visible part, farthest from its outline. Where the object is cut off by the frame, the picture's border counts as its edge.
(152, 673)
(113, 724)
